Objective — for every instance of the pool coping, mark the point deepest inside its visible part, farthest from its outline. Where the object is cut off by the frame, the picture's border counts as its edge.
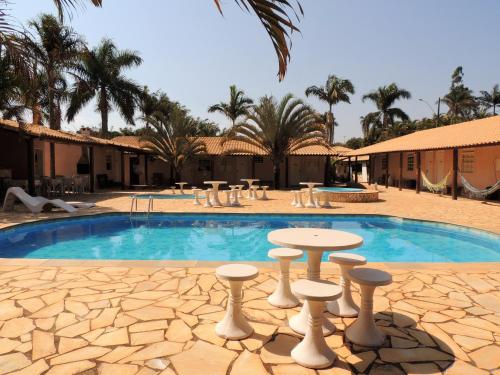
(326, 266)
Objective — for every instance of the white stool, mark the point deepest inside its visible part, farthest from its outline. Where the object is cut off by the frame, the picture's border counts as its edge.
(295, 200)
(345, 306)
(240, 189)
(196, 193)
(228, 193)
(173, 189)
(326, 200)
(234, 326)
(264, 196)
(313, 351)
(363, 331)
(235, 192)
(299, 204)
(208, 195)
(253, 192)
(316, 199)
(283, 297)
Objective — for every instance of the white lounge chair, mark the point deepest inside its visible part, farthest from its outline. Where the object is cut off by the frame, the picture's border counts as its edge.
(34, 204)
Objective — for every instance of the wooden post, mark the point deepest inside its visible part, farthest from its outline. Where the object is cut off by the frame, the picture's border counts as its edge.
(122, 168)
(286, 172)
(91, 169)
(400, 171)
(356, 172)
(419, 172)
(349, 169)
(454, 181)
(52, 160)
(145, 169)
(387, 171)
(327, 171)
(31, 167)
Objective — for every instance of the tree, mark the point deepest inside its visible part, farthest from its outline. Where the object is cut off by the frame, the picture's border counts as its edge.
(336, 90)
(206, 128)
(174, 140)
(490, 99)
(56, 48)
(460, 99)
(278, 129)
(99, 75)
(9, 90)
(236, 107)
(354, 143)
(384, 99)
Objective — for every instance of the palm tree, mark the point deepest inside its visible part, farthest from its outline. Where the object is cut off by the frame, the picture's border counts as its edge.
(460, 102)
(384, 98)
(174, 140)
(275, 16)
(57, 48)
(236, 107)
(99, 75)
(336, 90)
(278, 129)
(491, 99)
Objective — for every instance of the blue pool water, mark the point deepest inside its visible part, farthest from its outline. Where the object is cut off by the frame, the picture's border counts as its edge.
(340, 189)
(239, 238)
(165, 196)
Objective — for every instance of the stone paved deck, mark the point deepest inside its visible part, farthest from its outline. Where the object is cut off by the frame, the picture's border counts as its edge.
(102, 317)
(160, 320)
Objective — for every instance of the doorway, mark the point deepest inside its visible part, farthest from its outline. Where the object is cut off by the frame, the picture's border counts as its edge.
(134, 170)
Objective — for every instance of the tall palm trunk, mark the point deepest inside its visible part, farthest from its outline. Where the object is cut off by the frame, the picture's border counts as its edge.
(51, 84)
(37, 114)
(103, 108)
(330, 125)
(277, 174)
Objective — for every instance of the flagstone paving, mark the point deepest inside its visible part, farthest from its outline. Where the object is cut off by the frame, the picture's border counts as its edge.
(160, 320)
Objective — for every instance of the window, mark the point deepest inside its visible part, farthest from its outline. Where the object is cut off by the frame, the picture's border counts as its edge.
(258, 160)
(467, 162)
(204, 165)
(109, 163)
(384, 162)
(410, 162)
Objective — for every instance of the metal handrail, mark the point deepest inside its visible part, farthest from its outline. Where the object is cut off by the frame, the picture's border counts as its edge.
(134, 200)
(150, 204)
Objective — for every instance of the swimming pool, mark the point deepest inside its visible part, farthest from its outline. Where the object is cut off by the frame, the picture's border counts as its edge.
(239, 237)
(340, 189)
(164, 196)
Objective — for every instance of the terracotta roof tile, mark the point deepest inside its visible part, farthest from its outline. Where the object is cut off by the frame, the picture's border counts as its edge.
(466, 134)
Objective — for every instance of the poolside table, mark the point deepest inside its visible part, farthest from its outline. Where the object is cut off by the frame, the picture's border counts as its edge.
(250, 182)
(310, 202)
(314, 241)
(181, 186)
(215, 191)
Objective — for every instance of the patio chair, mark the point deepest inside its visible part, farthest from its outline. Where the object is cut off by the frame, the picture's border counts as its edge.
(34, 204)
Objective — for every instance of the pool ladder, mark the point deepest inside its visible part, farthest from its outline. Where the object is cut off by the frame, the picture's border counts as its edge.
(133, 205)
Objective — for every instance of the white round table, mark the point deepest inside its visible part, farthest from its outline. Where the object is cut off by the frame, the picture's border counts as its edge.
(250, 182)
(310, 202)
(215, 191)
(181, 186)
(314, 241)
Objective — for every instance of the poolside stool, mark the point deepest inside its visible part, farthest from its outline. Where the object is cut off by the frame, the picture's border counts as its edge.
(253, 192)
(173, 189)
(234, 326)
(283, 297)
(299, 204)
(240, 190)
(313, 351)
(363, 331)
(264, 195)
(316, 199)
(208, 194)
(326, 201)
(345, 306)
(235, 193)
(295, 200)
(228, 193)
(196, 193)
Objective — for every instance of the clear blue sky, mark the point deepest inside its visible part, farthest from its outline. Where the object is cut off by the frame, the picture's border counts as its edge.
(194, 54)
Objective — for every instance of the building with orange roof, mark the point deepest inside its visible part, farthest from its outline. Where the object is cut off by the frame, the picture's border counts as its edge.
(469, 150)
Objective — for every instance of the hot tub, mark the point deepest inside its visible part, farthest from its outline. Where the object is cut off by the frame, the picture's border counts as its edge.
(350, 195)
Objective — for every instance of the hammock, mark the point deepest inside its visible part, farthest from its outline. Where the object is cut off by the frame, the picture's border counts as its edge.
(479, 193)
(438, 187)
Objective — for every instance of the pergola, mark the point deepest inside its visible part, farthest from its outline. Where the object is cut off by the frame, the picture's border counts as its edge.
(477, 133)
